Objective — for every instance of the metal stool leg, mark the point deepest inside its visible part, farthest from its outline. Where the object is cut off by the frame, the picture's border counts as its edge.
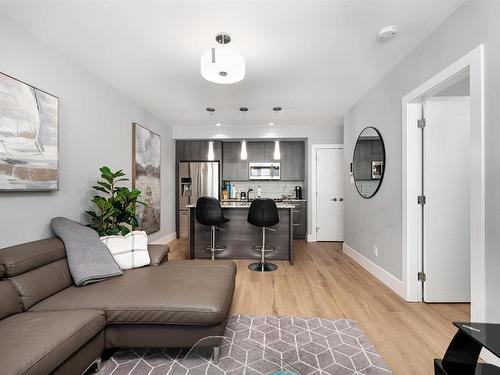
(263, 266)
(213, 247)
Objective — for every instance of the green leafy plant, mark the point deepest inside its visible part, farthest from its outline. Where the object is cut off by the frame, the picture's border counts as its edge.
(115, 212)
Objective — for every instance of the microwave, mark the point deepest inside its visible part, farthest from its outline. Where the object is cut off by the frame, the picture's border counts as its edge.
(264, 171)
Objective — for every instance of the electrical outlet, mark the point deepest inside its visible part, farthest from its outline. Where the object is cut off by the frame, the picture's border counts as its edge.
(375, 251)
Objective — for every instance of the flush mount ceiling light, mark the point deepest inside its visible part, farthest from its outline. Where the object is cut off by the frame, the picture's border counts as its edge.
(218, 124)
(387, 32)
(221, 64)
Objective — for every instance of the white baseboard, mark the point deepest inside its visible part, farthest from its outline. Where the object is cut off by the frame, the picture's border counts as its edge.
(489, 357)
(166, 239)
(311, 237)
(385, 277)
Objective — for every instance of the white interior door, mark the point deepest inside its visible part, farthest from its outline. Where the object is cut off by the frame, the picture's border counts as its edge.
(446, 240)
(329, 195)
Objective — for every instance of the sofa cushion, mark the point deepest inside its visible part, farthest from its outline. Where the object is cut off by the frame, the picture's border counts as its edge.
(31, 255)
(35, 285)
(9, 300)
(37, 343)
(129, 251)
(158, 253)
(181, 292)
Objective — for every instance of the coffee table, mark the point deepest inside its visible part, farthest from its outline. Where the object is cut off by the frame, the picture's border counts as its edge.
(235, 358)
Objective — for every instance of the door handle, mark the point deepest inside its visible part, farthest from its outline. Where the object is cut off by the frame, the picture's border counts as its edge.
(341, 199)
(333, 199)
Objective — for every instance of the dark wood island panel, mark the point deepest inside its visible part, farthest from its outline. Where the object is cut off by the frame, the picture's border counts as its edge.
(240, 236)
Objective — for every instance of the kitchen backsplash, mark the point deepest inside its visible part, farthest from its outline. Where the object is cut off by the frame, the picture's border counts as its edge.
(269, 189)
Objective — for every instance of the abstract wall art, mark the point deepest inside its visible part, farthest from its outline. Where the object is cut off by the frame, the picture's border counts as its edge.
(28, 137)
(146, 164)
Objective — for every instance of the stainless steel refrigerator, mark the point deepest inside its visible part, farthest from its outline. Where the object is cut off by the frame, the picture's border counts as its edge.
(196, 179)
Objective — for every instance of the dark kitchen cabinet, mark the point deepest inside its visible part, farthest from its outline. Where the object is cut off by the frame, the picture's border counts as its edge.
(233, 168)
(257, 152)
(299, 219)
(292, 171)
(292, 161)
(197, 150)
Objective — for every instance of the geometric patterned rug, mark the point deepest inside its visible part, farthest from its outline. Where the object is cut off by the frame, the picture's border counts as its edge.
(313, 346)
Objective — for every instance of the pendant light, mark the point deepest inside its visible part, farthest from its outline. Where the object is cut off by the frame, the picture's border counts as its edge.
(277, 152)
(211, 155)
(243, 153)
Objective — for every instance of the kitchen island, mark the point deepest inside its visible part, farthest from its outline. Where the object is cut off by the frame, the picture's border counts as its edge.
(239, 236)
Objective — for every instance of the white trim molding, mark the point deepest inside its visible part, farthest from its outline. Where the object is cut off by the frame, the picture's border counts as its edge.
(385, 277)
(311, 237)
(411, 244)
(166, 239)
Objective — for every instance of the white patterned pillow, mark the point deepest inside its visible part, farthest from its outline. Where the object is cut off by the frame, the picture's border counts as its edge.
(129, 251)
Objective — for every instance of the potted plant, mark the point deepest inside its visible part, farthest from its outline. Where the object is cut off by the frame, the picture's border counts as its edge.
(115, 211)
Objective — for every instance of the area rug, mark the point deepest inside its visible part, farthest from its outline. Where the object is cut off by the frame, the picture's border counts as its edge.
(313, 346)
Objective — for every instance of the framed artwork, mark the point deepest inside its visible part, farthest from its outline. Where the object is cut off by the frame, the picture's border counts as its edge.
(146, 165)
(29, 146)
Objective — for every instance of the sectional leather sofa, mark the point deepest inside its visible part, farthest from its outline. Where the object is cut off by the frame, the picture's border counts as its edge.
(49, 326)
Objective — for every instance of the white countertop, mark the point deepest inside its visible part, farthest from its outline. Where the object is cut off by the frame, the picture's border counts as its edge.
(244, 205)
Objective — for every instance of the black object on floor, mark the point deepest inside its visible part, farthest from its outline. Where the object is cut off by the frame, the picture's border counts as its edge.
(461, 357)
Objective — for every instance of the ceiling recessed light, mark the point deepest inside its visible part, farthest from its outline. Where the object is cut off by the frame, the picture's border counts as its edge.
(271, 123)
(387, 32)
(218, 124)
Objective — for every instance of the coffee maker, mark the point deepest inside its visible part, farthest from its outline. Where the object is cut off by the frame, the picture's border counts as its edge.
(298, 192)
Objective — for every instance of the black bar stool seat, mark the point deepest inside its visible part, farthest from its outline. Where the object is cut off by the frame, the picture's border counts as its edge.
(209, 213)
(263, 213)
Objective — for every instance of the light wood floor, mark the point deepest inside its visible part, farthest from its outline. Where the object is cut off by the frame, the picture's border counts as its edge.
(324, 282)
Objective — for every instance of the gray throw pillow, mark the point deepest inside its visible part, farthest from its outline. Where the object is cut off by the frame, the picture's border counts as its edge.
(89, 260)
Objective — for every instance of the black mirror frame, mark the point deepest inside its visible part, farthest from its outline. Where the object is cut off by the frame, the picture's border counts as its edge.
(385, 161)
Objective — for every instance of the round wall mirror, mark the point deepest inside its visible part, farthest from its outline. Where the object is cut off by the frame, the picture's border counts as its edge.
(368, 162)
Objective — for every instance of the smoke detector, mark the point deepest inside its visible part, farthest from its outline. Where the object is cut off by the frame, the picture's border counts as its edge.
(387, 32)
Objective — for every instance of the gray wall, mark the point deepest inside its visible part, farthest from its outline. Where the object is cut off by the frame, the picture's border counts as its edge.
(377, 221)
(94, 130)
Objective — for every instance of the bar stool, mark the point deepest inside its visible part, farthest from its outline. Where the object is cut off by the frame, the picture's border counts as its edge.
(263, 213)
(209, 212)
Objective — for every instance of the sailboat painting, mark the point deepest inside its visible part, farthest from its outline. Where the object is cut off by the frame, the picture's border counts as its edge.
(28, 137)
(146, 165)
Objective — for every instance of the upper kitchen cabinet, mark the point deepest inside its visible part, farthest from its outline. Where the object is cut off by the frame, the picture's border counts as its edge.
(197, 150)
(292, 161)
(257, 152)
(233, 168)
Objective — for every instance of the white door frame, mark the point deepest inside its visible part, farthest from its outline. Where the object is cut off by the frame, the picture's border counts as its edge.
(411, 253)
(314, 152)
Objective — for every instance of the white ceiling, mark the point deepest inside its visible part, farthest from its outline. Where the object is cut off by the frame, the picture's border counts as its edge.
(314, 58)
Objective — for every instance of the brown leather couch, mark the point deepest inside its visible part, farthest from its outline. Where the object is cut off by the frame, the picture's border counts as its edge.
(49, 326)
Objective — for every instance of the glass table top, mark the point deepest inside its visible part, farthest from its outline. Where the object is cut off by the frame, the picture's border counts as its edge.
(235, 358)
(487, 334)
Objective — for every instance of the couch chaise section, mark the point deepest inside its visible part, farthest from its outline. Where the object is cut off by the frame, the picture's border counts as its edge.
(168, 304)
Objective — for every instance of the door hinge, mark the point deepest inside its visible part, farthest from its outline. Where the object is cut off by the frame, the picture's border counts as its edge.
(421, 123)
(421, 199)
(421, 276)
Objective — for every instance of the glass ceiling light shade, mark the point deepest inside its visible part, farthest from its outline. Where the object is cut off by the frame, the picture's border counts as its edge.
(210, 155)
(277, 153)
(243, 153)
(222, 65)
